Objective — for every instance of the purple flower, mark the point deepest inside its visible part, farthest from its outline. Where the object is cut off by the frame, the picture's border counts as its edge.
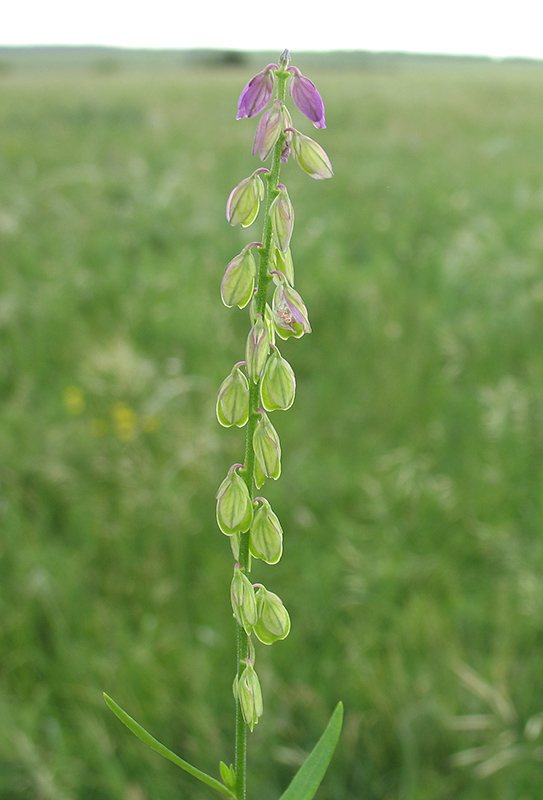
(289, 312)
(256, 95)
(307, 98)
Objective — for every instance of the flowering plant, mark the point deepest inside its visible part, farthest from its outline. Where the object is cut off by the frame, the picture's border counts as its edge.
(256, 387)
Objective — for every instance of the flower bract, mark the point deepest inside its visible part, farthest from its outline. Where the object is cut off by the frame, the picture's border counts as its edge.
(233, 399)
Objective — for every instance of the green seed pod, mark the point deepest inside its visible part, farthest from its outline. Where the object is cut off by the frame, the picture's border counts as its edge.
(273, 620)
(234, 506)
(233, 399)
(278, 386)
(266, 534)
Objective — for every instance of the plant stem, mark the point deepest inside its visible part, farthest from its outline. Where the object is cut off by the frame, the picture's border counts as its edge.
(249, 463)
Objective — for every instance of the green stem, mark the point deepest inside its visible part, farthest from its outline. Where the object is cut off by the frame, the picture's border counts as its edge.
(249, 463)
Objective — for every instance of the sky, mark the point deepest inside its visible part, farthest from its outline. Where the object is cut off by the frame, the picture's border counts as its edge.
(476, 27)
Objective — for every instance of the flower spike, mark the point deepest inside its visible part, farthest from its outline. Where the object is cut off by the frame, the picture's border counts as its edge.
(261, 278)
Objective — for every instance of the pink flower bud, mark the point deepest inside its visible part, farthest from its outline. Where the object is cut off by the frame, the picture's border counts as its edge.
(282, 219)
(269, 129)
(307, 98)
(257, 93)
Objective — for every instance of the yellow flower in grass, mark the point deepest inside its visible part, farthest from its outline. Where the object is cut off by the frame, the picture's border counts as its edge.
(125, 420)
(74, 400)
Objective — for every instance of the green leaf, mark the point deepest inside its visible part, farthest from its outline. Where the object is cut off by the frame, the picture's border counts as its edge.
(308, 778)
(228, 775)
(154, 744)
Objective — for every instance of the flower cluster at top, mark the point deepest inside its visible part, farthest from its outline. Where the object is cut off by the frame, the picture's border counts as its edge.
(264, 382)
(276, 121)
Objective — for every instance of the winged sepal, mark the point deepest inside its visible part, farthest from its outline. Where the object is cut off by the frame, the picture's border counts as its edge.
(256, 95)
(278, 386)
(267, 447)
(289, 312)
(282, 262)
(311, 157)
(243, 599)
(257, 348)
(247, 690)
(233, 399)
(234, 505)
(270, 128)
(239, 278)
(282, 218)
(306, 96)
(244, 200)
(273, 620)
(266, 540)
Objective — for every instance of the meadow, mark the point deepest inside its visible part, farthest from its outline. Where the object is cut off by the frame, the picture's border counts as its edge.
(412, 488)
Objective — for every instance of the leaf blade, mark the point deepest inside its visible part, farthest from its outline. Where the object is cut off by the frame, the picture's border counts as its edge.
(308, 778)
(155, 745)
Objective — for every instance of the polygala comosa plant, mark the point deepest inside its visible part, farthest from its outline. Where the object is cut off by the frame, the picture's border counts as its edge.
(261, 384)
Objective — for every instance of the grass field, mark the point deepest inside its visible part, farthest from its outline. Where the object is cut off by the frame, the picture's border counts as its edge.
(412, 487)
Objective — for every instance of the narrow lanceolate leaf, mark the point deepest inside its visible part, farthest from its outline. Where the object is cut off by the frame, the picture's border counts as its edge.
(154, 744)
(308, 778)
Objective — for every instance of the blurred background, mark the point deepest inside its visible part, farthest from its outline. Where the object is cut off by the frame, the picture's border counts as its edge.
(411, 494)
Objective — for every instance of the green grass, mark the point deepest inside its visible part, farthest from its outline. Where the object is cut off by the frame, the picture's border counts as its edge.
(411, 494)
